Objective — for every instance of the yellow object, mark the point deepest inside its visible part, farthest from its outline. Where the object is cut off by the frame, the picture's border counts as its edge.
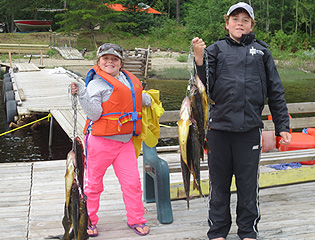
(25, 125)
(150, 128)
(271, 178)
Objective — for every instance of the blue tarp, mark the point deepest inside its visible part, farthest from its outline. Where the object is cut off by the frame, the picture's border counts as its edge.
(284, 166)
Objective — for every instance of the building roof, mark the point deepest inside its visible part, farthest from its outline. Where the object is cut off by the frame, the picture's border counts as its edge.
(120, 8)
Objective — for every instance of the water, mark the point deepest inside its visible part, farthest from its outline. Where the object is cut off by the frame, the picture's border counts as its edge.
(25, 145)
(172, 92)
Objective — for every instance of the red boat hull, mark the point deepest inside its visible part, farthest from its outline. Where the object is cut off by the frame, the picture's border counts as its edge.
(32, 25)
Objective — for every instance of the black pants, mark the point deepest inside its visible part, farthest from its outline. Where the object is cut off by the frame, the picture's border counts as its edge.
(235, 153)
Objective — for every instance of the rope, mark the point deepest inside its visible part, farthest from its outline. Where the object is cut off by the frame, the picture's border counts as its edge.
(163, 125)
(25, 125)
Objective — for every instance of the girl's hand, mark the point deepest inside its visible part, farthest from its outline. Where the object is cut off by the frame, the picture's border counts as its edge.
(74, 88)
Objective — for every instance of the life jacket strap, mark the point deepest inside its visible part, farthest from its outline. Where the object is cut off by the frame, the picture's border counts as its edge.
(131, 116)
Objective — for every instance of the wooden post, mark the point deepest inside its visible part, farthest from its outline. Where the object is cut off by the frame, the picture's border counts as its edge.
(10, 59)
(41, 58)
(147, 63)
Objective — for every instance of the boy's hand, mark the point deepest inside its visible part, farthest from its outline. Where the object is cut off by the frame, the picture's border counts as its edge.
(286, 138)
(199, 47)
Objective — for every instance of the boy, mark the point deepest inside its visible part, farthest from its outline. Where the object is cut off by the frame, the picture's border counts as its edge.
(241, 75)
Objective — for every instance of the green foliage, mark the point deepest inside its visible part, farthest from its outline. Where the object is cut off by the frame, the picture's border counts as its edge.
(83, 14)
(134, 20)
(182, 58)
(306, 55)
(52, 52)
(205, 19)
(277, 22)
(169, 35)
(280, 40)
(159, 6)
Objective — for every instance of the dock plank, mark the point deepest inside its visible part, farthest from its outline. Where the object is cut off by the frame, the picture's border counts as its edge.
(49, 90)
(287, 211)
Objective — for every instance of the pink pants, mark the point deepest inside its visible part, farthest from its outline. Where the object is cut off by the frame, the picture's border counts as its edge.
(101, 153)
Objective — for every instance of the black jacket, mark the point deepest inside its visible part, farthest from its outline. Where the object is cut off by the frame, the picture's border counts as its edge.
(241, 77)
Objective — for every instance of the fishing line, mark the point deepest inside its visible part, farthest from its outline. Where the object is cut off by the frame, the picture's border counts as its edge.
(74, 101)
(207, 74)
(192, 69)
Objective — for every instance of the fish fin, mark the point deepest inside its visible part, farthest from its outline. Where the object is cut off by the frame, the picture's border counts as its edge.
(211, 101)
(206, 147)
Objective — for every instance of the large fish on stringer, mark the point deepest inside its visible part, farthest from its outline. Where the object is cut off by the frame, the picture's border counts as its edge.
(192, 128)
(75, 220)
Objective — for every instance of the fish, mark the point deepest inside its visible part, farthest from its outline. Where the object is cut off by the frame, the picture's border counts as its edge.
(80, 160)
(186, 179)
(75, 220)
(76, 225)
(205, 100)
(67, 224)
(70, 174)
(194, 154)
(83, 220)
(74, 206)
(197, 116)
(183, 127)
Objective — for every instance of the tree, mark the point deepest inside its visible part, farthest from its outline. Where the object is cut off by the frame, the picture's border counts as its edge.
(27, 10)
(83, 14)
(177, 11)
(205, 18)
(135, 19)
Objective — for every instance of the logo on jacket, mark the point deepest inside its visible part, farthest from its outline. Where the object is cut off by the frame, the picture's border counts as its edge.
(253, 51)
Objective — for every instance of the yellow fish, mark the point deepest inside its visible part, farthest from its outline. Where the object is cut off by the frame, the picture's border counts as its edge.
(183, 127)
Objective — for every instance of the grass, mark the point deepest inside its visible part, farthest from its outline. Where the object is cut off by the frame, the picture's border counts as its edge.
(182, 58)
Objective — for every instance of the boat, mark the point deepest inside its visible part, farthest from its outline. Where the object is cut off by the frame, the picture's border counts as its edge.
(32, 25)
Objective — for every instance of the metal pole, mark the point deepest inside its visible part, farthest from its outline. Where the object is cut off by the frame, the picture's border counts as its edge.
(50, 136)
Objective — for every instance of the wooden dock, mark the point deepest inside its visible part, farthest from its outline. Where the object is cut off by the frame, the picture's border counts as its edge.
(32, 198)
(32, 194)
(23, 48)
(69, 53)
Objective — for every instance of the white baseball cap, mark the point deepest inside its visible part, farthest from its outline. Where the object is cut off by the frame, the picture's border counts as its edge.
(243, 5)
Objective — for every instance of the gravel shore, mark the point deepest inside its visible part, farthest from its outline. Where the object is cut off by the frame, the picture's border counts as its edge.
(159, 61)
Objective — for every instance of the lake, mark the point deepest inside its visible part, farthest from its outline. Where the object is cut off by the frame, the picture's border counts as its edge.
(25, 145)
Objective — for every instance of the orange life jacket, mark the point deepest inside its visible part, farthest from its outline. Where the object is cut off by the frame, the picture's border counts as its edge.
(122, 111)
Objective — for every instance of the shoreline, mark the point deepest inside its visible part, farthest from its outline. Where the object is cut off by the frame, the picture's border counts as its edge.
(160, 60)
